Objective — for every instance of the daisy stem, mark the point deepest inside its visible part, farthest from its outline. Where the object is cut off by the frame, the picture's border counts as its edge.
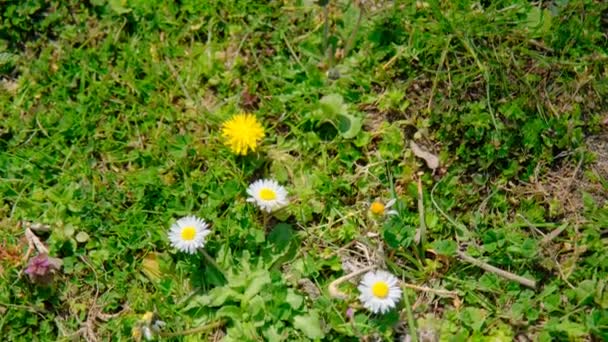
(353, 34)
(212, 262)
(326, 47)
(422, 216)
(410, 316)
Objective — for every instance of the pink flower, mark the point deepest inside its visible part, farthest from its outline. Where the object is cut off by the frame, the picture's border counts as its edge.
(41, 268)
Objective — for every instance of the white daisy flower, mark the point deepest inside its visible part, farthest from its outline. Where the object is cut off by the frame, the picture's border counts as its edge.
(267, 194)
(147, 333)
(188, 234)
(380, 291)
(149, 326)
(380, 209)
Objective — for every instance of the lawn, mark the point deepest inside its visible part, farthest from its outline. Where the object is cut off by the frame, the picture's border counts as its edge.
(298, 170)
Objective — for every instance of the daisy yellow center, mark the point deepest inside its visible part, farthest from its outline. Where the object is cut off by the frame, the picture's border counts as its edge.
(242, 133)
(188, 233)
(377, 208)
(380, 289)
(147, 316)
(267, 194)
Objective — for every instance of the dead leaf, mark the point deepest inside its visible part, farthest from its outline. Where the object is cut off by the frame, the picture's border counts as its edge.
(432, 161)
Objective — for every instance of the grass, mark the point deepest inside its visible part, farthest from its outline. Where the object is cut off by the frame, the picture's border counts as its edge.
(111, 130)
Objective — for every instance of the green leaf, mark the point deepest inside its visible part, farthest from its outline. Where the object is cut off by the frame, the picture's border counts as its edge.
(229, 311)
(216, 297)
(333, 105)
(272, 334)
(445, 247)
(572, 329)
(281, 236)
(118, 6)
(256, 305)
(585, 290)
(259, 279)
(309, 324)
(473, 317)
(293, 299)
(348, 125)
(538, 21)
(82, 237)
(335, 111)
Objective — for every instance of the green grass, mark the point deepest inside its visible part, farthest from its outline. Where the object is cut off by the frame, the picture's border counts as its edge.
(110, 131)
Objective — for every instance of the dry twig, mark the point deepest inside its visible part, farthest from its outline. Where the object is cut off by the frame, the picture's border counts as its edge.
(489, 268)
(333, 287)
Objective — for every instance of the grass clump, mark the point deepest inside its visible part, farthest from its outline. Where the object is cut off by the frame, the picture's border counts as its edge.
(457, 147)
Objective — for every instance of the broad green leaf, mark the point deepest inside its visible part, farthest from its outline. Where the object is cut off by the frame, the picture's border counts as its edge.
(473, 317)
(118, 6)
(216, 297)
(309, 324)
(256, 305)
(348, 125)
(445, 247)
(585, 290)
(259, 279)
(273, 335)
(572, 329)
(229, 311)
(293, 299)
(281, 235)
(82, 237)
(332, 105)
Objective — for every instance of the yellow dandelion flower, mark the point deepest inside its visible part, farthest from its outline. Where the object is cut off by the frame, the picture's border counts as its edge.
(242, 133)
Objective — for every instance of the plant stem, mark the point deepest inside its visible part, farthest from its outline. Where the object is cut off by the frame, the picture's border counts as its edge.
(410, 317)
(353, 34)
(421, 214)
(326, 34)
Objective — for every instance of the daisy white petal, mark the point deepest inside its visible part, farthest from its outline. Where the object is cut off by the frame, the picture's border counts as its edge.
(147, 333)
(379, 291)
(188, 234)
(379, 208)
(267, 194)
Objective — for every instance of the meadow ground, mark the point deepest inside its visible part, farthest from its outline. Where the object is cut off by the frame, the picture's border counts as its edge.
(484, 120)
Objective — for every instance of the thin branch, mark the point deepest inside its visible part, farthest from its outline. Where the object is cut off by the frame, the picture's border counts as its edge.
(428, 289)
(35, 241)
(333, 287)
(489, 268)
(341, 249)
